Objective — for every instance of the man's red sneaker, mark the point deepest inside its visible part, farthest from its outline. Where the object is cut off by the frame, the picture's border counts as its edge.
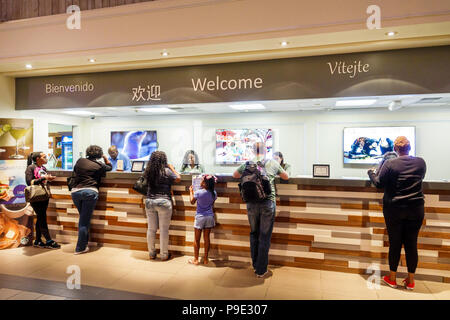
(408, 286)
(390, 283)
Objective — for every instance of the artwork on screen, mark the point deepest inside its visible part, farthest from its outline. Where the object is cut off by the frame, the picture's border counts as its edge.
(137, 145)
(236, 145)
(368, 145)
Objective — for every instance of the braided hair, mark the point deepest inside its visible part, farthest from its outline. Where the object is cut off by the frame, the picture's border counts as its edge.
(155, 169)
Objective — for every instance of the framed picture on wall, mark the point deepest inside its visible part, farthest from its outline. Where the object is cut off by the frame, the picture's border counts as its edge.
(321, 170)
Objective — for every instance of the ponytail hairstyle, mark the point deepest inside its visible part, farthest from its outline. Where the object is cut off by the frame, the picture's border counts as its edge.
(32, 157)
(210, 182)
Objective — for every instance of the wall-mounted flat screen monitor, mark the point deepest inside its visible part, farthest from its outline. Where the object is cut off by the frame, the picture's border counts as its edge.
(137, 145)
(367, 145)
(235, 146)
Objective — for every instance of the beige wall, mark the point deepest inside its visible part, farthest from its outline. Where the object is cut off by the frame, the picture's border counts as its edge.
(41, 120)
(304, 138)
(202, 27)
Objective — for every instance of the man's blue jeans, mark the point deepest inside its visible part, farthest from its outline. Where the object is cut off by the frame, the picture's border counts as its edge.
(85, 201)
(261, 216)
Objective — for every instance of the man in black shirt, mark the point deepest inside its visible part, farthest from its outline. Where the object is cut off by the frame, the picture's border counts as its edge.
(403, 207)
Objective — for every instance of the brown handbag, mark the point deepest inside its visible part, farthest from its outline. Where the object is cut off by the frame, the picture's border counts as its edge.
(37, 192)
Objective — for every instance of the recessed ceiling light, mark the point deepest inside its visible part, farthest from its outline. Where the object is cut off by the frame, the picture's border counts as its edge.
(91, 60)
(284, 43)
(391, 33)
(28, 66)
(164, 53)
(395, 105)
(253, 106)
(156, 110)
(355, 103)
(79, 112)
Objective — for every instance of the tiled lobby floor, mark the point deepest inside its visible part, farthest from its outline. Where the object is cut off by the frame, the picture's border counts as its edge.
(114, 273)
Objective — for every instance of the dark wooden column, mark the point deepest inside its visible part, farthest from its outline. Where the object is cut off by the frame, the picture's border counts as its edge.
(24, 9)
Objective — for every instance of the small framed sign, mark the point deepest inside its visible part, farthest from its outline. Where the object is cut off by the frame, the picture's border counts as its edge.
(138, 166)
(119, 165)
(321, 170)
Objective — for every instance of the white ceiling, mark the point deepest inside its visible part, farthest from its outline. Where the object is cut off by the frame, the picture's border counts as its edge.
(324, 104)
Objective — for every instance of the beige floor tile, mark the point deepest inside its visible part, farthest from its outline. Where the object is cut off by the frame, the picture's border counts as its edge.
(55, 272)
(201, 271)
(180, 259)
(387, 293)
(109, 251)
(47, 297)
(103, 276)
(344, 296)
(10, 258)
(159, 266)
(49, 256)
(19, 251)
(332, 275)
(444, 295)
(23, 267)
(228, 293)
(144, 282)
(180, 287)
(311, 273)
(283, 293)
(132, 270)
(352, 286)
(244, 278)
(89, 257)
(24, 295)
(440, 291)
(302, 279)
(139, 255)
(93, 274)
(6, 293)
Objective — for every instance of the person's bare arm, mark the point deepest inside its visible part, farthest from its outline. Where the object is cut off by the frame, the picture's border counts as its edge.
(107, 162)
(284, 175)
(178, 179)
(108, 165)
(191, 195)
(236, 174)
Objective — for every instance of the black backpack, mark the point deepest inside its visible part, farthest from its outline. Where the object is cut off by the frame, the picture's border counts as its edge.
(254, 185)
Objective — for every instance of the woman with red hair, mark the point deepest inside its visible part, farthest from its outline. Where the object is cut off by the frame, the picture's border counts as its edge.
(403, 207)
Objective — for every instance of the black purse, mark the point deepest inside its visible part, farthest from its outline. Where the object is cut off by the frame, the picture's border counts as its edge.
(141, 185)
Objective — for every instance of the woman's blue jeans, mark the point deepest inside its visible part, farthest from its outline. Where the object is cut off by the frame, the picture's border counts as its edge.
(85, 201)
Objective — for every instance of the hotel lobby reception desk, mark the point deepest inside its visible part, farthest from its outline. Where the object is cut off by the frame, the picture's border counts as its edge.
(328, 224)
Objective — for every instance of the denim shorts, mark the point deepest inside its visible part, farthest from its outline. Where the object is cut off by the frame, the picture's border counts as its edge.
(204, 222)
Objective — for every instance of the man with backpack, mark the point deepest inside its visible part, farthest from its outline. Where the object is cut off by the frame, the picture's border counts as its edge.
(257, 189)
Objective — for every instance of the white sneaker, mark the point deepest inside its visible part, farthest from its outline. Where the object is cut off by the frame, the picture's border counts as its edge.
(262, 275)
(80, 252)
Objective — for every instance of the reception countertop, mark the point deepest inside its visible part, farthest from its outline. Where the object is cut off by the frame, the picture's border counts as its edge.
(300, 180)
(320, 223)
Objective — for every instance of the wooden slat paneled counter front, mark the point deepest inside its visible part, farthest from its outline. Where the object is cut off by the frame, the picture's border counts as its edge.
(328, 224)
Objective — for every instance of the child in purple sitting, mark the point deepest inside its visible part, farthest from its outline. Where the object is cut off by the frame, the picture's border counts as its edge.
(204, 217)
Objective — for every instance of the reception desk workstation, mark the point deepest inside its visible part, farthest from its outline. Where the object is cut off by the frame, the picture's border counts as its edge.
(327, 224)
